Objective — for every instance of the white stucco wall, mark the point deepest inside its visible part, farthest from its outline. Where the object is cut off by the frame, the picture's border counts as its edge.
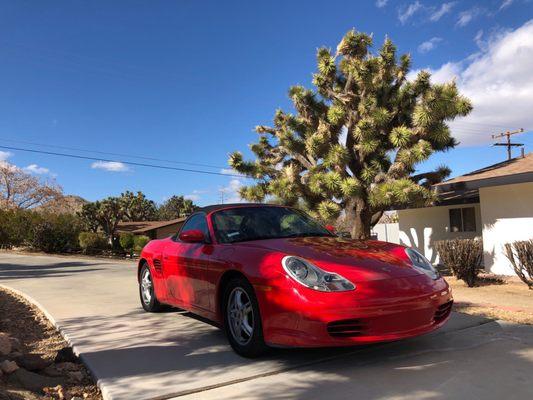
(507, 215)
(387, 232)
(421, 227)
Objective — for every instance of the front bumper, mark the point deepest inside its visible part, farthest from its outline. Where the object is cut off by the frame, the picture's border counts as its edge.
(376, 311)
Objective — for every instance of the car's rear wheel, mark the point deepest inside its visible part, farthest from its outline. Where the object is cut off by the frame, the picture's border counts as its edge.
(242, 321)
(146, 291)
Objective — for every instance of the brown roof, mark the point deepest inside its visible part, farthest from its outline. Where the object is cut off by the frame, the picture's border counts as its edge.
(515, 166)
(145, 226)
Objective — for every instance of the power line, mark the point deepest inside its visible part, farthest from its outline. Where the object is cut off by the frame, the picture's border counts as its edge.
(111, 154)
(118, 161)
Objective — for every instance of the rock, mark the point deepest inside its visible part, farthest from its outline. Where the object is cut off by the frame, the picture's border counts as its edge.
(65, 355)
(76, 375)
(5, 344)
(32, 381)
(51, 370)
(8, 366)
(15, 344)
(32, 362)
(15, 354)
(67, 366)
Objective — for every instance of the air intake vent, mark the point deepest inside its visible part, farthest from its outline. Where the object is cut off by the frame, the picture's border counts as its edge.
(346, 328)
(157, 265)
(443, 311)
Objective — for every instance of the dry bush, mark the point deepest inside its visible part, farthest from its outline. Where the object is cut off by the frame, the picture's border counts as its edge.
(520, 254)
(463, 257)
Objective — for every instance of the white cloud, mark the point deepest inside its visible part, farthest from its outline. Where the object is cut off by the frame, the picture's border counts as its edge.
(499, 83)
(35, 169)
(467, 16)
(112, 166)
(193, 197)
(4, 155)
(505, 4)
(405, 13)
(445, 8)
(381, 3)
(429, 45)
(231, 192)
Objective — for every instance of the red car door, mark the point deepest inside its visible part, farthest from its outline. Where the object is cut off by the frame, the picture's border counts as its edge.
(186, 267)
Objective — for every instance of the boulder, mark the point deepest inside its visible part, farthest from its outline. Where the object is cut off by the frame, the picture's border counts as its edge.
(32, 362)
(8, 367)
(32, 381)
(5, 344)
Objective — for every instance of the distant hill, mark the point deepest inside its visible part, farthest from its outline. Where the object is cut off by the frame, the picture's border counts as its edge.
(69, 204)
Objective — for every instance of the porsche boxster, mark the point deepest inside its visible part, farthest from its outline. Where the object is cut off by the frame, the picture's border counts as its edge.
(272, 276)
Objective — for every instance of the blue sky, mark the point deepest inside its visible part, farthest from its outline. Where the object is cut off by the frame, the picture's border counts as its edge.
(188, 80)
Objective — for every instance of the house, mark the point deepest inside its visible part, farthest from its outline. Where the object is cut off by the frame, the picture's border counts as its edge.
(494, 204)
(152, 229)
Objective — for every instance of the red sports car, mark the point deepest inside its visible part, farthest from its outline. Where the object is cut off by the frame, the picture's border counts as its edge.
(272, 276)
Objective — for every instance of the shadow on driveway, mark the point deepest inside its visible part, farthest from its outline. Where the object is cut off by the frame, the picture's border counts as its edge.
(10, 271)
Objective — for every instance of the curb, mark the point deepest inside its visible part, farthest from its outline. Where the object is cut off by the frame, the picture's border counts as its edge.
(65, 336)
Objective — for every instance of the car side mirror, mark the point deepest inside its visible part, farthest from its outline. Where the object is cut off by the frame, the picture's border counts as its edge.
(192, 236)
(331, 228)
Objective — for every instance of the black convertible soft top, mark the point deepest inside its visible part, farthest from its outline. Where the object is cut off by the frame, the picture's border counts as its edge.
(216, 207)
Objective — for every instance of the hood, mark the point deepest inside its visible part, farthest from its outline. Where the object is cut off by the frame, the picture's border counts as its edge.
(357, 260)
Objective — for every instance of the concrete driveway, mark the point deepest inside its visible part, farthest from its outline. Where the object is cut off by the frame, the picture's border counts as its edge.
(135, 355)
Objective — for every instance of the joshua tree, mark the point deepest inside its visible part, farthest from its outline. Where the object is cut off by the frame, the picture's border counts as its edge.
(353, 144)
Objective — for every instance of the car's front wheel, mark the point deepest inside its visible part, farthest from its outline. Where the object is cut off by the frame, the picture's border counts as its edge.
(146, 291)
(242, 321)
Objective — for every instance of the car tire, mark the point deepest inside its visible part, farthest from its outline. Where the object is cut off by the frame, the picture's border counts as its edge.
(146, 291)
(244, 343)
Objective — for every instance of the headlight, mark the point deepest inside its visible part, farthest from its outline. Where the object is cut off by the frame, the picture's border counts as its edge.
(313, 277)
(421, 263)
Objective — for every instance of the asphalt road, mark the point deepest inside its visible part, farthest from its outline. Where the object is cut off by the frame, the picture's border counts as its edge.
(135, 355)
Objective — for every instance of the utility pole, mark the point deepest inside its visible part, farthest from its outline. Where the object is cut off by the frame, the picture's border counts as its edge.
(508, 143)
(221, 196)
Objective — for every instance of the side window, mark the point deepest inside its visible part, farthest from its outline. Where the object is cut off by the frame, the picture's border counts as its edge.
(197, 221)
(463, 219)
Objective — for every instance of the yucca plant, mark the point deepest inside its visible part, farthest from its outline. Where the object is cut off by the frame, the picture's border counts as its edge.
(353, 145)
(520, 254)
(463, 258)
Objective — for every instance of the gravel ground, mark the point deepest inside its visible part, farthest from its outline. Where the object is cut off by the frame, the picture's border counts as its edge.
(31, 333)
(506, 298)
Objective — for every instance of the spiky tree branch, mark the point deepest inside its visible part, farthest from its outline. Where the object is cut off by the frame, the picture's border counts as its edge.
(354, 142)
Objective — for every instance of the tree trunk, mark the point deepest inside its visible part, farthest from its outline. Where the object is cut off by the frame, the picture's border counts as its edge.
(359, 214)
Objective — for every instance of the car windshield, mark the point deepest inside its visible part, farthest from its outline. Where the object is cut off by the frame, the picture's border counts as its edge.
(254, 223)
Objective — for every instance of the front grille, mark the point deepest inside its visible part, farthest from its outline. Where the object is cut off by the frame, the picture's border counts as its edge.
(157, 265)
(443, 311)
(346, 328)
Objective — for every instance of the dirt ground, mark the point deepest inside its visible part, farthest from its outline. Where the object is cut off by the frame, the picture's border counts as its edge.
(498, 297)
(32, 333)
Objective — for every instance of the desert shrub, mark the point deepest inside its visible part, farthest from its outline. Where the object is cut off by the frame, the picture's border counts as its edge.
(127, 242)
(92, 242)
(139, 242)
(463, 257)
(56, 233)
(520, 254)
(16, 227)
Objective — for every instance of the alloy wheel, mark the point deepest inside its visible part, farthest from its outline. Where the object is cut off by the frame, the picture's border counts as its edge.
(146, 286)
(240, 316)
